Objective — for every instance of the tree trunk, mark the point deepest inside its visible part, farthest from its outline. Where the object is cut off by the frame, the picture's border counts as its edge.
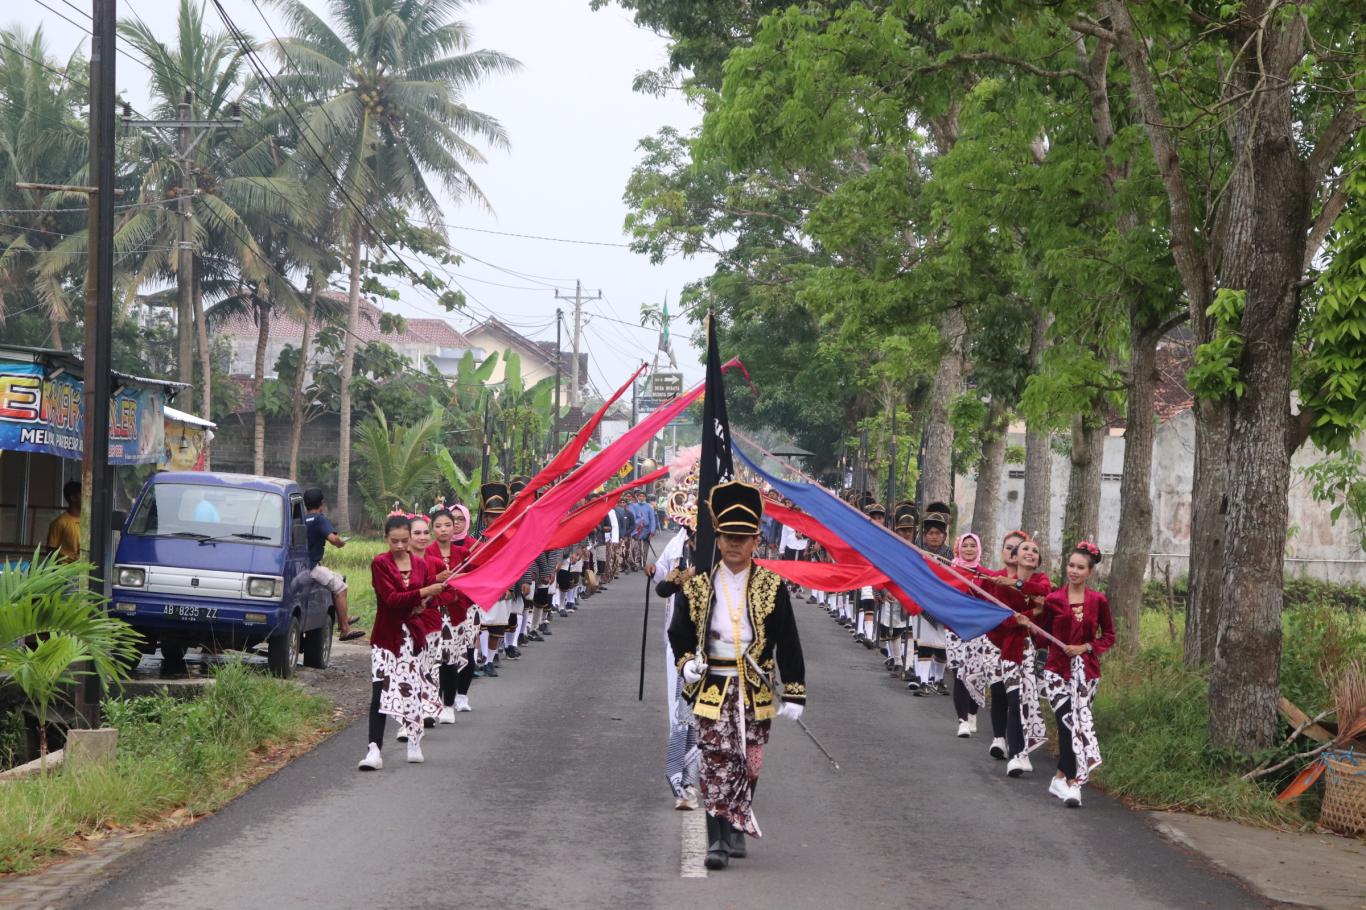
(205, 364)
(948, 383)
(1271, 229)
(1135, 489)
(1209, 504)
(1081, 517)
(55, 334)
(1036, 515)
(296, 396)
(986, 504)
(348, 366)
(258, 443)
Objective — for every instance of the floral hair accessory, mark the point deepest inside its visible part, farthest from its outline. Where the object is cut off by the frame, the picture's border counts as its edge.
(1089, 548)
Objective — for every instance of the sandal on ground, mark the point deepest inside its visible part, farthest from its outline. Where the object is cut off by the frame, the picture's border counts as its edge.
(352, 635)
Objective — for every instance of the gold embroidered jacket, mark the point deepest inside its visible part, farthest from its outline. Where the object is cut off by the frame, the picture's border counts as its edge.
(775, 642)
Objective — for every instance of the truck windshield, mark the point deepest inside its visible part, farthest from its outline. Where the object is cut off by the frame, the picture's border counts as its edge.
(204, 512)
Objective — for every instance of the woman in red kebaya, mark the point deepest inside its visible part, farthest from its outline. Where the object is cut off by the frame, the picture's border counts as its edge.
(1080, 618)
(402, 583)
(454, 649)
(1023, 591)
(975, 661)
(420, 529)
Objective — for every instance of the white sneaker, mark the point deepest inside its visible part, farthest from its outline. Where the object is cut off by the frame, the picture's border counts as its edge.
(447, 716)
(972, 723)
(372, 761)
(402, 735)
(462, 703)
(1015, 767)
(1058, 787)
(1073, 799)
(1025, 762)
(415, 753)
(998, 748)
(964, 729)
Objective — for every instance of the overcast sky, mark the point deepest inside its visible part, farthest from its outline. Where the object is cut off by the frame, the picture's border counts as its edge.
(574, 123)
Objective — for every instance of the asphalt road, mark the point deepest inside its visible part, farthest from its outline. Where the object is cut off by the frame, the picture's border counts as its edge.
(551, 795)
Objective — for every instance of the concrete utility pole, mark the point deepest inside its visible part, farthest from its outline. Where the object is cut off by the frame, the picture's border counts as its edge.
(96, 489)
(185, 143)
(575, 398)
(555, 421)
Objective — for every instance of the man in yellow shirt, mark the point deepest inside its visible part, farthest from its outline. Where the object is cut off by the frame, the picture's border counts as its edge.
(64, 534)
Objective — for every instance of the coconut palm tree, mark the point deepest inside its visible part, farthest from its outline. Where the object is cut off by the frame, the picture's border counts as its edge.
(41, 141)
(237, 176)
(385, 114)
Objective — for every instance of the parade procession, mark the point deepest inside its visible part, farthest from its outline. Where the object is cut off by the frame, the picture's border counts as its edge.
(652, 454)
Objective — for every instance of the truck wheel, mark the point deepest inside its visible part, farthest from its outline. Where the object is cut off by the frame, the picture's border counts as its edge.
(283, 651)
(173, 659)
(318, 644)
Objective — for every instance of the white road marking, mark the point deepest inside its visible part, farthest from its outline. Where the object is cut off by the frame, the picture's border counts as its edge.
(692, 857)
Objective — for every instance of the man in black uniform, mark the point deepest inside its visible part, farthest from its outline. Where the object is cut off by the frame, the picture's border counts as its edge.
(730, 628)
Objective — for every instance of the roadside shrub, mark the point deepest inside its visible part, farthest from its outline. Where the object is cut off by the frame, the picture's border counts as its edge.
(12, 739)
(172, 754)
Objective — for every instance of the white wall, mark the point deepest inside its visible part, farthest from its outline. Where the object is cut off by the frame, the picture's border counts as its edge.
(1316, 547)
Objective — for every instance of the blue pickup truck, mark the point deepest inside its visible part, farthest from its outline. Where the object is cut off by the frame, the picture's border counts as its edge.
(221, 560)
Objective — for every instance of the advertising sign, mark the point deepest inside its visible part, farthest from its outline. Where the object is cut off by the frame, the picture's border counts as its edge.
(44, 414)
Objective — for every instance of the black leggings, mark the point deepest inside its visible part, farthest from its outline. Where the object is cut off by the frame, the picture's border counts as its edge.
(376, 718)
(1014, 729)
(1067, 758)
(465, 676)
(962, 701)
(999, 709)
(449, 676)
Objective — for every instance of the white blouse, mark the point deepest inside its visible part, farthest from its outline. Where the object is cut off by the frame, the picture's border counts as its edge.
(730, 592)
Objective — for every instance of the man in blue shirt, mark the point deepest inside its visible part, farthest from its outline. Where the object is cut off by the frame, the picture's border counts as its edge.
(646, 524)
(320, 534)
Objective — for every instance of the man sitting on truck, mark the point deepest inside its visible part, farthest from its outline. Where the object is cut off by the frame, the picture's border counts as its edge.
(320, 534)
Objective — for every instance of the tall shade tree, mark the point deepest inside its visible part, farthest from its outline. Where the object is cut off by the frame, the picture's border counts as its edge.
(382, 101)
(41, 141)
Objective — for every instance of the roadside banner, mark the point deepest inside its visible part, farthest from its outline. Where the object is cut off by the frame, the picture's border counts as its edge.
(44, 413)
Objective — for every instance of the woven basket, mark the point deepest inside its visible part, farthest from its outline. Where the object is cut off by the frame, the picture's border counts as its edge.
(1344, 793)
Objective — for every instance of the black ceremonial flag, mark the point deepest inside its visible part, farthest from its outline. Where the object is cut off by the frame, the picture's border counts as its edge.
(716, 465)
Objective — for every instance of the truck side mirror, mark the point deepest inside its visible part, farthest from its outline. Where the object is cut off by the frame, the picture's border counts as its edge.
(117, 519)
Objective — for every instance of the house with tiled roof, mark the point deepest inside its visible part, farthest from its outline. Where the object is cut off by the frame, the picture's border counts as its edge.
(422, 341)
(538, 357)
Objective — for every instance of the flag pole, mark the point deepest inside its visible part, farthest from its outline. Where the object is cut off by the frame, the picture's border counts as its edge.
(644, 637)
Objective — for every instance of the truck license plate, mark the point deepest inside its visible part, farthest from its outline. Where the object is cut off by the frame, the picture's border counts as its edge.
(191, 614)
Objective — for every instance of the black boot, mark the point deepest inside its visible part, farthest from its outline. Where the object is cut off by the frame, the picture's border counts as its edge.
(736, 842)
(718, 854)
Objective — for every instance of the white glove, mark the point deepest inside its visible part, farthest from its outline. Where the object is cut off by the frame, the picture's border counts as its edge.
(791, 710)
(692, 671)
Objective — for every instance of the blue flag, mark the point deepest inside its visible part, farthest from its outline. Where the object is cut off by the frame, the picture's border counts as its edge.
(967, 616)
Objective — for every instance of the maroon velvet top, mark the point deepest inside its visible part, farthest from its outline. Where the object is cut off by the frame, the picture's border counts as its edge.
(395, 600)
(1096, 626)
(1010, 636)
(450, 601)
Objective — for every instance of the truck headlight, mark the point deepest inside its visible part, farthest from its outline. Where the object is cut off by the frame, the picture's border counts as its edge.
(130, 577)
(264, 586)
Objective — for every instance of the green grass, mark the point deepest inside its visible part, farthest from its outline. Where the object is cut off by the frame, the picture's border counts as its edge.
(1152, 720)
(172, 755)
(353, 561)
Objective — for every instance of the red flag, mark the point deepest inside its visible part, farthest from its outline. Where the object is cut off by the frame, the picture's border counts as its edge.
(824, 576)
(843, 554)
(576, 526)
(563, 462)
(529, 537)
